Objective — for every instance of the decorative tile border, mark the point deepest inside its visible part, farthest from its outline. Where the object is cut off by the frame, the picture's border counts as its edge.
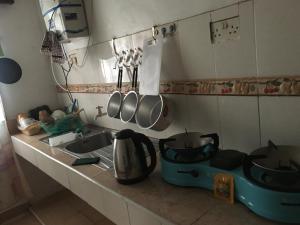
(251, 86)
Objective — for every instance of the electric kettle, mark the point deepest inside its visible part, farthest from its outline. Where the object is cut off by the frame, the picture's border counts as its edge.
(130, 158)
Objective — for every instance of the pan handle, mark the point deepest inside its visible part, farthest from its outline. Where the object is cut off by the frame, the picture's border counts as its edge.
(120, 77)
(134, 77)
(215, 138)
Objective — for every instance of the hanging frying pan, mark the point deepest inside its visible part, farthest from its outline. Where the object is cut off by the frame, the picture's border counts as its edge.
(10, 71)
(131, 100)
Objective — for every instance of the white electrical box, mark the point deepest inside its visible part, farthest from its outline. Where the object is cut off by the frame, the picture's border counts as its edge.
(66, 17)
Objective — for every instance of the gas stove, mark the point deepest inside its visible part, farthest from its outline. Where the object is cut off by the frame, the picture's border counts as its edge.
(252, 187)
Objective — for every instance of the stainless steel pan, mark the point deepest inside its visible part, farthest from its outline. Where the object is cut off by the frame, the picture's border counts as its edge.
(154, 113)
(131, 101)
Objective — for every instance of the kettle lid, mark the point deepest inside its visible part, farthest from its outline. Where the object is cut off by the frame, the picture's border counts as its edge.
(124, 134)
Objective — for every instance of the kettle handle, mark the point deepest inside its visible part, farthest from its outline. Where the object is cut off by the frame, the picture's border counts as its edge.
(150, 148)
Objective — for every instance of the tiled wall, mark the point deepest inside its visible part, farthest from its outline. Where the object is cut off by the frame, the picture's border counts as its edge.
(269, 46)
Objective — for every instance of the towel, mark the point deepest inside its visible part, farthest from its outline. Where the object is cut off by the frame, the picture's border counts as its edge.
(52, 47)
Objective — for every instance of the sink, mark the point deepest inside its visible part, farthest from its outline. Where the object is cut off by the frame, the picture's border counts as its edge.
(90, 144)
(95, 143)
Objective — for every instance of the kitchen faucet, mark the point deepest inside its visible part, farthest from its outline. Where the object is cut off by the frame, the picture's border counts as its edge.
(100, 113)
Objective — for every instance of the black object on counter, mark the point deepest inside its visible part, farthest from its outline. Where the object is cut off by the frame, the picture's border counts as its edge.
(34, 113)
(227, 159)
(86, 161)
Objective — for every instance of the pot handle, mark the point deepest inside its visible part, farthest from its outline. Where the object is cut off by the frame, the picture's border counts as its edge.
(215, 138)
(145, 140)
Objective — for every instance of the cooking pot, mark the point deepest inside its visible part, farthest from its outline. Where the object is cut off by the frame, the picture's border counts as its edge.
(154, 112)
(114, 104)
(189, 147)
(275, 166)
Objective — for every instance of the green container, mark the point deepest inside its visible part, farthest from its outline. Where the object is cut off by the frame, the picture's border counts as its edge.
(66, 124)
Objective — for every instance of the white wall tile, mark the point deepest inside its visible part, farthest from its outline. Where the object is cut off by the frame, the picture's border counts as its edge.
(128, 17)
(237, 58)
(202, 113)
(239, 123)
(171, 65)
(280, 120)
(140, 216)
(224, 13)
(196, 47)
(278, 36)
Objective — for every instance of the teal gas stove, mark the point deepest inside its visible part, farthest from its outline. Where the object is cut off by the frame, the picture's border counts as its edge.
(252, 186)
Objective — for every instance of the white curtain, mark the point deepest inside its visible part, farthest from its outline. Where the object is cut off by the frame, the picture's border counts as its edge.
(11, 188)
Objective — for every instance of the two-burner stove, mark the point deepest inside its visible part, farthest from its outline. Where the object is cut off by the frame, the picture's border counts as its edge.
(266, 181)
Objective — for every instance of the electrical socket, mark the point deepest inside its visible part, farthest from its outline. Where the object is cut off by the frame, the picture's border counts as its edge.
(225, 30)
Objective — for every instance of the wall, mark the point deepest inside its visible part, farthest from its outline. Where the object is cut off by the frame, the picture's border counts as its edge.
(21, 34)
(269, 46)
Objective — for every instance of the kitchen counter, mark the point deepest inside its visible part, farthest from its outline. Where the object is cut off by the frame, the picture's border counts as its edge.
(165, 203)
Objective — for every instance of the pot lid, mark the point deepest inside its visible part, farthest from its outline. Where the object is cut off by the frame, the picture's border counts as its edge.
(188, 140)
(281, 158)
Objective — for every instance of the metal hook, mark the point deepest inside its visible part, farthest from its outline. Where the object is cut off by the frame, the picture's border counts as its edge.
(154, 32)
(114, 47)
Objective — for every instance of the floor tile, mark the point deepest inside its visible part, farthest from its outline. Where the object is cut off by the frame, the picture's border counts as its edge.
(24, 219)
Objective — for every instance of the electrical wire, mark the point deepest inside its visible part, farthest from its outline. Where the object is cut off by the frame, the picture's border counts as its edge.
(66, 72)
(89, 39)
(53, 75)
(66, 88)
(51, 19)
